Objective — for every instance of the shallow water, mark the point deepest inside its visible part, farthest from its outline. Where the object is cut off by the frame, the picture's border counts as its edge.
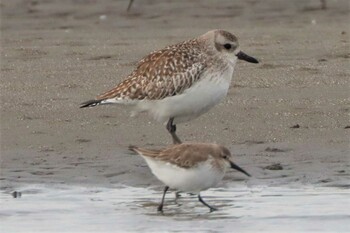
(241, 209)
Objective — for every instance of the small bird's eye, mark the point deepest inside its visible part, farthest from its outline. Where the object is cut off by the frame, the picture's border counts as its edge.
(227, 46)
(224, 156)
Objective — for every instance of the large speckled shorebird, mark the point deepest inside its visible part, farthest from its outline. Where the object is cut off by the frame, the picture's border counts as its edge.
(180, 82)
(189, 167)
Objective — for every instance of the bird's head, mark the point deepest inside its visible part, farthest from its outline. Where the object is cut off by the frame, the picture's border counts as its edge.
(227, 45)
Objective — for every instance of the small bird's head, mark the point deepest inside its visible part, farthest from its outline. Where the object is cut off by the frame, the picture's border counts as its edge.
(227, 157)
(227, 44)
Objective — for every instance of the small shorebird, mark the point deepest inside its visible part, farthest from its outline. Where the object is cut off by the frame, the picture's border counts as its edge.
(189, 167)
(180, 82)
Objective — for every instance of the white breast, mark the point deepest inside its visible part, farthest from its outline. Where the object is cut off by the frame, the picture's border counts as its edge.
(193, 180)
(193, 102)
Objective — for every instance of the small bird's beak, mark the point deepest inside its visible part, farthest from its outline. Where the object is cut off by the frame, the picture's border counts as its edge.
(234, 166)
(245, 57)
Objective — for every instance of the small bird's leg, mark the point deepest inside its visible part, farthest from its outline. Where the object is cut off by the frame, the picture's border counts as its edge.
(160, 207)
(203, 202)
(129, 6)
(177, 196)
(172, 130)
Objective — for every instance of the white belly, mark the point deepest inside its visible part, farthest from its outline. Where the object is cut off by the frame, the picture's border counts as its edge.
(193, 180)
(193, 102)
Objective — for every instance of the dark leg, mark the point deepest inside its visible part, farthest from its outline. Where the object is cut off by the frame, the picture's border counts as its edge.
(201, 200)
(172, 130)
(177, 196)
(160, 207)
(129, 6)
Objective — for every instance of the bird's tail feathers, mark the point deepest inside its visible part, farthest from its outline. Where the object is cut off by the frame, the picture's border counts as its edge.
(144, 152)
(91, 103)
(133, 148)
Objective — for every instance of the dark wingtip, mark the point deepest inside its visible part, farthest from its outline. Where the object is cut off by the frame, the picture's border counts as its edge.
(133, 148)
(90, 103)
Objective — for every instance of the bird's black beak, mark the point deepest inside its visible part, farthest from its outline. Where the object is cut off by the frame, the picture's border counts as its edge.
(245, 57)
(234, 166)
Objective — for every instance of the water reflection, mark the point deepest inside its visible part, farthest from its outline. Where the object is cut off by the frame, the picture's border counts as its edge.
(77, 209)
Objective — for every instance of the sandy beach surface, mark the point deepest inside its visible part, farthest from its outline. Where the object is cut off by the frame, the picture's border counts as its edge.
(286, 119)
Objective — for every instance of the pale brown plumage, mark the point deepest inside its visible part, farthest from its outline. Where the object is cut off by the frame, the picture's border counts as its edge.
(185, 155)
(163, 73)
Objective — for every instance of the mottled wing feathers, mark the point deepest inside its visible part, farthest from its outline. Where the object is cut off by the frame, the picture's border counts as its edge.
(182, 155)
(161, 74)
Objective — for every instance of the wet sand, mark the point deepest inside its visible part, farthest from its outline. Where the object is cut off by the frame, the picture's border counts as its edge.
(72, 208)
(286, 119)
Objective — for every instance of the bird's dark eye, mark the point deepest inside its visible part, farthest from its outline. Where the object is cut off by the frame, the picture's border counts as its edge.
(227, 46)
(224, 156)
